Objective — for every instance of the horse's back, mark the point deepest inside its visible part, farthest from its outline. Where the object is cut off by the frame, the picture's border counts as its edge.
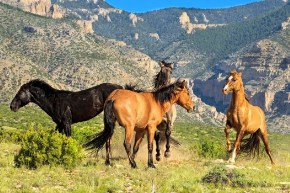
(131, 107)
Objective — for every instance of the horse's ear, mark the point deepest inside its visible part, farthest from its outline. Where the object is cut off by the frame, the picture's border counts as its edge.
(161, 63)
(180, 83)
(233, 72)
(240, 74)
(171, 65)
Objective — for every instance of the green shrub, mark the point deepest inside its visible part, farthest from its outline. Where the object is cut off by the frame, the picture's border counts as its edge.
(9, 135)
(210, 149)
(42, 146)
(220, 175)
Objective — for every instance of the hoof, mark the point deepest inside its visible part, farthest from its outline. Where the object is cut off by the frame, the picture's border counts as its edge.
(151, 166)
(158, 158)
(231, 161)
(133, 165)
(107, 162)
(167, 154)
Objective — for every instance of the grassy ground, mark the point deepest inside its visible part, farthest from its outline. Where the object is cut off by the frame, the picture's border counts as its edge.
(182, 172)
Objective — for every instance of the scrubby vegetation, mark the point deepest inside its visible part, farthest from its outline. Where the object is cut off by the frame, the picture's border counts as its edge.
(196, 166)
(42, 146)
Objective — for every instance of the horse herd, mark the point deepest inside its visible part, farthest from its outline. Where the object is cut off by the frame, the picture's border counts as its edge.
(143, 112)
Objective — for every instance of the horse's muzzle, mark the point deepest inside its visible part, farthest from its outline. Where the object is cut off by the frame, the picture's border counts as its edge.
(191, 109)
(13, 108)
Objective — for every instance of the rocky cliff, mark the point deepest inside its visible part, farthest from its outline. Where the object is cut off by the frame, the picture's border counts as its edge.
(38, 7)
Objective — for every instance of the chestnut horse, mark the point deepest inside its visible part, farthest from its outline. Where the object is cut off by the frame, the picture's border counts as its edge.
(64, 107)
(140, 112)
(244, 118)
(163, 78)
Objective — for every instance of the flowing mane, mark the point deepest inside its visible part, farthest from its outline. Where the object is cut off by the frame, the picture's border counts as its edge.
(160, 80)
(41, 84)
(164, 94)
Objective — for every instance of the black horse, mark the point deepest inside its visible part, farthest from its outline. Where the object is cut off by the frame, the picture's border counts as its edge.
(64, 107)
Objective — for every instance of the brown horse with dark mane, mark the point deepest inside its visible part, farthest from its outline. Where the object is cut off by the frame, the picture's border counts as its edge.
(140, 112)
(163, 78)
(64, 107)
(245, 118)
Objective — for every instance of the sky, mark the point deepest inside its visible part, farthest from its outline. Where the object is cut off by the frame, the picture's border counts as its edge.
(140, 6)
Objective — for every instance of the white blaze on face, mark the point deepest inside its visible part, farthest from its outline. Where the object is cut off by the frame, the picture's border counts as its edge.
(227, 85)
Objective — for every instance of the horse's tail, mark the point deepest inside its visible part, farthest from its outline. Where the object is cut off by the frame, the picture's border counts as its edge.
(174, 141)
(109, 121)
(252, 144)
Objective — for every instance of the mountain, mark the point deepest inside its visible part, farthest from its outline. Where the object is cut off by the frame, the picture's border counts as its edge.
(33, 46)
(204, 44)
(66, 56)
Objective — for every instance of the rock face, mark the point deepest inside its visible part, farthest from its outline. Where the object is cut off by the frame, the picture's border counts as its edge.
(38, 7)
(86, 26)
(266, 71)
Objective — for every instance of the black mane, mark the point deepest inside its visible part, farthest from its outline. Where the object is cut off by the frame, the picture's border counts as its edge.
(165, 93)
(133, 88)
(41, 84)
(160, 80)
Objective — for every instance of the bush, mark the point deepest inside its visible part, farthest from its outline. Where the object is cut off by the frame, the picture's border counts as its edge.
(9, 134)
(210, 149)
(41, 146)
(220, 175)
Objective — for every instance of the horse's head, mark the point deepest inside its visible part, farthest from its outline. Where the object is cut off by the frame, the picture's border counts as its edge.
(163, 78)
(22, 98)
(234, 82)
(183, 95)
(29, 92)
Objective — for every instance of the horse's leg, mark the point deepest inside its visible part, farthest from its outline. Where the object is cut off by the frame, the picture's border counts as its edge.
(67, 121)
(150, 135)
(108, 151)
(239, 138)
(157, 140)
(228, 142)
(138, 139)
(167, 134)
(127, 144)
(264, 136)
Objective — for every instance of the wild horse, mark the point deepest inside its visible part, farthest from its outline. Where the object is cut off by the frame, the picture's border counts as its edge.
(140, 112)
(163, 78)
(244, 118)
(64, 107)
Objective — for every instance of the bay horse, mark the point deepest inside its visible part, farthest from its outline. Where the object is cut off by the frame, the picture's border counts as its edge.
(140, 112)
(245, 118)
(163, 78)
(64, 107)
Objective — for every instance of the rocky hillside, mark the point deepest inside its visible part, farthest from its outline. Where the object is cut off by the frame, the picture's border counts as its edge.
(57, 50)
(64, 55)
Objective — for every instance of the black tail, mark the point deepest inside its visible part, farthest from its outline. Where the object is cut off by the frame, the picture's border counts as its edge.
(174, 141)
(252, 144)
(100, 139)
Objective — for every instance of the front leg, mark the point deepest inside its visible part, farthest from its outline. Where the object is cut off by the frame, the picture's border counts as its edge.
(228, 142)
(157, 141)
(167, 134)
(67, 121)
(237, 145)
(151, 132)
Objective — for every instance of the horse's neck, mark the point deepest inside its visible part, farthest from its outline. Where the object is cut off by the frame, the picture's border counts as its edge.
(238, 98)
(45, 103)
(161, 82)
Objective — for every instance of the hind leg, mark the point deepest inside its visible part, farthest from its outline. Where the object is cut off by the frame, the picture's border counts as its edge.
(264, 137)
(228, 142)
(138, 139)
(157, 140)
(108, 151)
(127, 145)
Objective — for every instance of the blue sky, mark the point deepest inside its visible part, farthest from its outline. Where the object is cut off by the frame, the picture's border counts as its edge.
(139, 6)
